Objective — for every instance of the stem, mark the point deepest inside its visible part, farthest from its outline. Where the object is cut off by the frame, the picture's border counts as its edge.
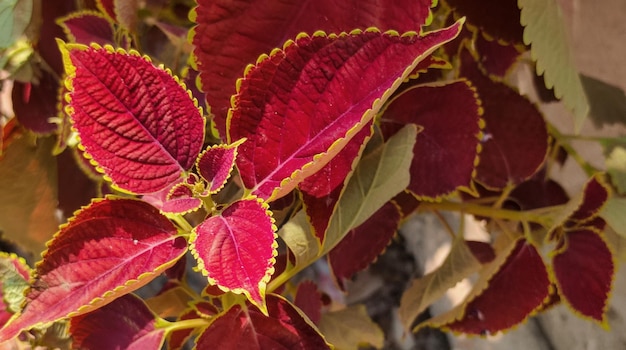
(563, 142)
(446, 225)
(480, 210)
(181, 222)
(186, 324)
(286, 276)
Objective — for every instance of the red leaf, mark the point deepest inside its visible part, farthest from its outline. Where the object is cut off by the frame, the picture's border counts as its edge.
(283, 329)
(305, 102)
(223, 46)
(215, 165)
(363, 244)
(35, 103)
(202, 309)
(448, 144)
(87, 27)
(584, 271)
(136, 121)
(595, 195)
(499, 19)
(309, 300)
(495, 57)
(107, 249)
(482, 251)
(236, 249)
(180, 199)
(520, 287)
(515, 140)
(126, 323)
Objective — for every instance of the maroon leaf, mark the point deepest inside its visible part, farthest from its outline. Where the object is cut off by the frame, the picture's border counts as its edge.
(496, 58)
(284, 329)
(515, 140)
(136, 121)
(223, 46)
(305, 102)
(448, 144)
(499, 19)
(236, 249)
(584, 271)
(126, 323)
(107, 249)
(482, 251)
(595, 195)
(309, 300)
(363, 244)
(86, 27)
(518, 289)
(36, 103)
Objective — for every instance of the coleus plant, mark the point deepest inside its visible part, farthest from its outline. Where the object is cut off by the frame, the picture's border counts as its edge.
(314, 130)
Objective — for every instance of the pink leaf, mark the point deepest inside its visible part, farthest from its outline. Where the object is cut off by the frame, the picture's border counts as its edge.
(216, 163)
(126, 323)
(107, 249)
(87, 27)
(138, 122)
(299, 107)
(236, 248)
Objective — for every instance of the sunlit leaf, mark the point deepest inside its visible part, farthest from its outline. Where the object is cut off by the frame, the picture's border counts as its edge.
(616, 168)
(29, 193)
(382, 173)
(509, 290)
(216, 163)
(585, 269)
(223, 46)
(107, 249)
(515, 139)
(300, 238)
(448, 144)
(284, 329)
(363, 244)
(424, 291)
(349, 328)
(138, 122)
(86, 27)
(236, 248)
(126, 323)
(301, 105)
(544, 31)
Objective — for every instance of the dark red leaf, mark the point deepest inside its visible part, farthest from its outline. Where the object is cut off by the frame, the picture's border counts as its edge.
(584, 271)
(36, 103)
(126, 323)
(518, 289)
(309, 300)
(363, 244)
(515, 140)
(482, 251)
(495, 58)
(283, 329)
(86, 27)
(448, 144)
(498, 19)
(232, 34)
(595, 195)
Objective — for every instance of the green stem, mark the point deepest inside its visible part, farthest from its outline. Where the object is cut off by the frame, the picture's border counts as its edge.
(186, 324)
(563, 142)
(491, 212)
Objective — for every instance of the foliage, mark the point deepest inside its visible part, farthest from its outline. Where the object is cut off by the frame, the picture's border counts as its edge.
(256, 138)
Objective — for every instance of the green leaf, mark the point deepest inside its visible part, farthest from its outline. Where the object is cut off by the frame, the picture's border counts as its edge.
(351, 327)
(381, 174)
(544, 31)
(607, 102)
(299, 237)
(424, 291)
(613, 213)
(616, 168)
(15, 16)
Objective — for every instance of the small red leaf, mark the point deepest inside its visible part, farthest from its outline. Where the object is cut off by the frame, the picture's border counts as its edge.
(495, 57)
(87, 27)
(126, 323)
(595, 195)
(309, 300)
(517, 290)
(236, 249)
(363, 244)
(448, 144)
(216, 163)
(137, 121)
(180, 199)
(223, 46)
(299, 107)
(584, 271)
(284, 329)
(107, 249)
(515, 140)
